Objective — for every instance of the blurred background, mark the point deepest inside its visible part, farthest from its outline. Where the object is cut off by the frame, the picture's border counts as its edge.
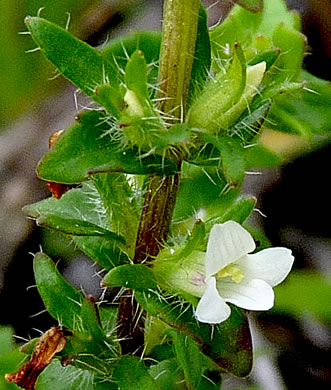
(292, 341)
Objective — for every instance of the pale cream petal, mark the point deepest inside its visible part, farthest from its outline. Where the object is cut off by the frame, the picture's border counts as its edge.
(271, 265)
(254, 294)
(227, 243)
(212, 308)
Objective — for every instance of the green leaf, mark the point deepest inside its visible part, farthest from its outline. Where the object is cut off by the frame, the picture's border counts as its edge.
(60, 298)
(85, 206)
(136, 76)
(307, 112)
(251, 5)
(120, 50)
(73, 214)
(212, 199)
(82, 204)
(131, 374)
(91, 326)
(168, 375)
(188, 357)
(101, 250)
(134, 276)
(292, 45)
(250, 29)
(121, 205)
(55, 376)
(76, 227)
(77, 61)
(258, 156)
(232, 159)
(240, 25)
(202, 56)
(229, 344)
(88, 346)
(87, 149)
(274, 13)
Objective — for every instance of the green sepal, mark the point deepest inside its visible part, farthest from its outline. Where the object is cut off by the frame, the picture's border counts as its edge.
(131, 374)
(178, 134)
(229, 344)
(219, 95)
(269, 56)
(83, 65)
(239, 211)
(195, 241)
(86, 149)
(249, 125)
(272, 91)
(111, 98)
(133, 276)
(136, 76)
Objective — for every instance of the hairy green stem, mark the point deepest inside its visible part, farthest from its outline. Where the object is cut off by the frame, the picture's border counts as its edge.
(180, 25)
(180, 21)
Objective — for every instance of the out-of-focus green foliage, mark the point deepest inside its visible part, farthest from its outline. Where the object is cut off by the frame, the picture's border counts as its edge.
(24, 78)
(10, 357)
(305, 293)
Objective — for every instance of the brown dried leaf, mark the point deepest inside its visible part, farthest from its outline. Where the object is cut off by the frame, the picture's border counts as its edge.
(50, 343)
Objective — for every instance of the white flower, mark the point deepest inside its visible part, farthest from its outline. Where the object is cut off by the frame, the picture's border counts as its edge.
(232, 275)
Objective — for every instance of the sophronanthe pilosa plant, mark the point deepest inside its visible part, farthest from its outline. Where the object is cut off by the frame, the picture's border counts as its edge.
(147, 184)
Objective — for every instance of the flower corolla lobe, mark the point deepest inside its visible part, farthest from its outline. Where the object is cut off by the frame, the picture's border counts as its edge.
(234, 275)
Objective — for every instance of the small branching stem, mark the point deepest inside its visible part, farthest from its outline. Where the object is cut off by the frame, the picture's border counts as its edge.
(180, 21)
